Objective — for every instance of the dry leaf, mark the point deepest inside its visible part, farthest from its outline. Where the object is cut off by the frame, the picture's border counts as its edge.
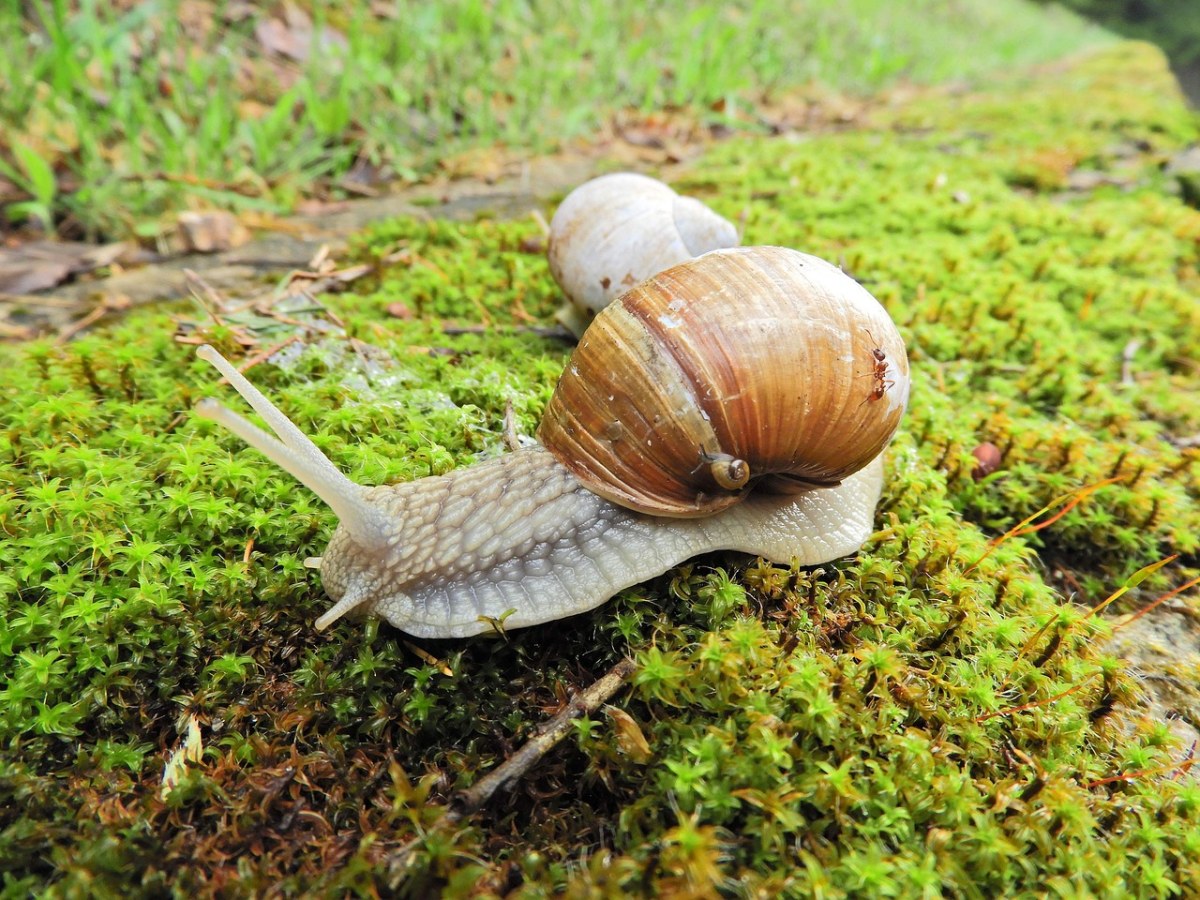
(630, 739)
(43, 264)
(211, 232)
(305, 283)
(275, 37)
(196, 18)
(293, 35)
(238, 11)
(252, 110)
(487, 164)
(27, 276)
(313, 208)
(190, 750)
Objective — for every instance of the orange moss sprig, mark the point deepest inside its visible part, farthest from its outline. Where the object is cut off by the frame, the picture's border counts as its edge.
(1036, 703)
(1133, 581)
(1025, 526)
(1176, 768)
(1161, 600)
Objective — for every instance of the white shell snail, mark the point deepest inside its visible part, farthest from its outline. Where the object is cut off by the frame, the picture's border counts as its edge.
(683, 424)
(617, 230)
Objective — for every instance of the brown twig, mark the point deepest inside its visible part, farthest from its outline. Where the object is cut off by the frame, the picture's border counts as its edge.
(194, 281)
(505, 775)
(1034, 704)
(1180, 768)
(19, 332)
(106, 306)
(333, 317)
(1070, 500)
(556, 332)
(79, 325)
(36, 300)
(1159, 602)
(319, 258)
(428, 657)
(259, 357)
(228, 187)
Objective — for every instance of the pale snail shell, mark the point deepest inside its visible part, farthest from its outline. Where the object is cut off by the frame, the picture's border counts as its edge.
(617, 230)
(534, 535)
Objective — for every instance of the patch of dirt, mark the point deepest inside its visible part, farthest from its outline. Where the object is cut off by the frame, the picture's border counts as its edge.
(1163, 652)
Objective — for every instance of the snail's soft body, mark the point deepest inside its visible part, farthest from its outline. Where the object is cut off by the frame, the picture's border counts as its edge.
(552, 531)
(528, 543)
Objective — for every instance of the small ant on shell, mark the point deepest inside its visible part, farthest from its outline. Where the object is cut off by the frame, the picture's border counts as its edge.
(878, 372)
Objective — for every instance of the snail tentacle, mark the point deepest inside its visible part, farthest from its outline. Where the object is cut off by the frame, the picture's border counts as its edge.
(292, 451)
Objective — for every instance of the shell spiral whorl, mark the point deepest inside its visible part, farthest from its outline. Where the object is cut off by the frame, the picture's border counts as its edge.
(761, 354)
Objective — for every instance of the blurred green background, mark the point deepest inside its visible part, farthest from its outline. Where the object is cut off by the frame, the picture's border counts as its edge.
(116, 116)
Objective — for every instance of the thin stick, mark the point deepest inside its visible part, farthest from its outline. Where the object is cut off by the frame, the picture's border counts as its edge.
(118, 303)
(1180, 768)
(1132, 581)
(230, 187)
(556, 332)
(1127, 355)
(79, 325)
(263, 355)
(1071, 499)
(505, 775)
(428, 657)
(195, 281)
(319, 258)
(1161, 600)
(20, 332)
(1033, 705)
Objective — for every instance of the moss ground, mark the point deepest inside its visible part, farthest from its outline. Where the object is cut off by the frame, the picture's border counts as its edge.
(901, 723)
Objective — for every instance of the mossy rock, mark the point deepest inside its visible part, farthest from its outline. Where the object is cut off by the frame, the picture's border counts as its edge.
(925, 718)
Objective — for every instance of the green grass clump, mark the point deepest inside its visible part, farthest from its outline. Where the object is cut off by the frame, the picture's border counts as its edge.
(918, 720)
(116, 116)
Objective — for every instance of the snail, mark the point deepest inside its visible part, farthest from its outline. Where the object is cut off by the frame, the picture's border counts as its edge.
(617, 230)
(682, 424)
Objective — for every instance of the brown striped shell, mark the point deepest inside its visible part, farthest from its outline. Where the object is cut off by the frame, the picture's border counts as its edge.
(743, 367)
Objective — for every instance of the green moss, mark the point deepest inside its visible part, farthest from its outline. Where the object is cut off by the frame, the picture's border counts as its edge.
(909, 721)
